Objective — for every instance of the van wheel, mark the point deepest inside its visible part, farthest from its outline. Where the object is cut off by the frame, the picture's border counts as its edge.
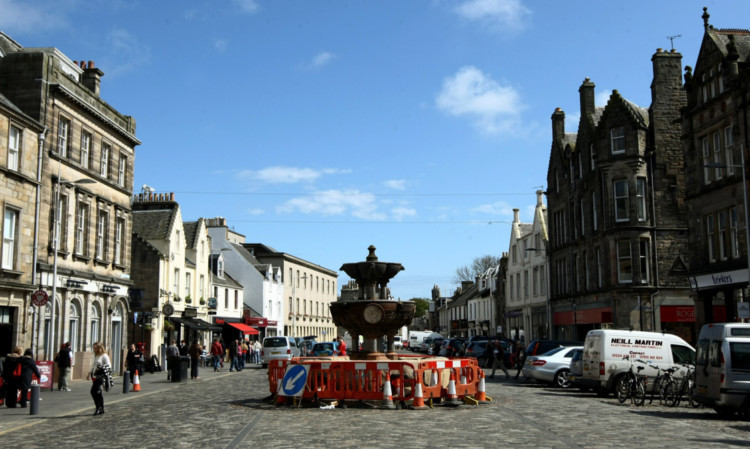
(724, 412)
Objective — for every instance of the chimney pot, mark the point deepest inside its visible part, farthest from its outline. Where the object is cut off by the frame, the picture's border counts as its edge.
(91, 64)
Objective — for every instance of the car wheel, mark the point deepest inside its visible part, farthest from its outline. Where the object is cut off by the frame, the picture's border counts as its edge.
(561, 378)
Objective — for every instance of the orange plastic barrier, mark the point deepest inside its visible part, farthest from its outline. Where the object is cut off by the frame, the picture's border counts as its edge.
(349, 380)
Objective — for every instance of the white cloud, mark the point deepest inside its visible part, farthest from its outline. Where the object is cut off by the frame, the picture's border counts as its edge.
(505, 15)
(320, 60)
(23, 17)
(602, 98)
(125, 53)
(335, 202)
(395, 184)
(256, 211)
(493, 108)
(248, 6)
(288, 175)
(499, 209)
(401, 212)
(221, 45)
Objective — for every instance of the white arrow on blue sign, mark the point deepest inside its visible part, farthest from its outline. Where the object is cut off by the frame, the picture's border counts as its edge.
(294, 380)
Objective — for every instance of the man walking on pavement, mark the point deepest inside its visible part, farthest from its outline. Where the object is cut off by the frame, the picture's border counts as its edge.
(498, 359)
(216, 352)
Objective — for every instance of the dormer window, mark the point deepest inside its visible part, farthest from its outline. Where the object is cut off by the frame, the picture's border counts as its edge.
(220, 267)
(617, 140)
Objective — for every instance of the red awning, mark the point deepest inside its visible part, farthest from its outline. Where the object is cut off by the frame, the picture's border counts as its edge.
(244, 328)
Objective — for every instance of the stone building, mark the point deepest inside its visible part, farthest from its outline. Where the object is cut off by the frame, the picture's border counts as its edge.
(171, 270)
(86, 165)
(308, 290)
(616, 212)
(715, 144)
(21, 140)
(527, 313)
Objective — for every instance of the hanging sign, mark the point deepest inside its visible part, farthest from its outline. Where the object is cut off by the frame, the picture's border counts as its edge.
(39, 298)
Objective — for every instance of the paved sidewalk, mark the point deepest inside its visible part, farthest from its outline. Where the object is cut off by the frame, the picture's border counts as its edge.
(56, 404)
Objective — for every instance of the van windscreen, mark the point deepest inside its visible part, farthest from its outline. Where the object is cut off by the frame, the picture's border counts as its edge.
(275, 342)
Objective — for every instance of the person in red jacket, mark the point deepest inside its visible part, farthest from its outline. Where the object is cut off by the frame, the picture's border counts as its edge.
(217, 351)
(342, 345)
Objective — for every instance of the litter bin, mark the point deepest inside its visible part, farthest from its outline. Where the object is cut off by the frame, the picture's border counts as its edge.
(179, 368)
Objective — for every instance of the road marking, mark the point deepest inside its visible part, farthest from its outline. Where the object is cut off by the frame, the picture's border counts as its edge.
(246, 430)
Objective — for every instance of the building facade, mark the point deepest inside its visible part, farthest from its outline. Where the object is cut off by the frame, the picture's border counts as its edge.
(87, 162)
(171, 272)
(715, 144)
(528, 313)
(618, 243)
(309, 289)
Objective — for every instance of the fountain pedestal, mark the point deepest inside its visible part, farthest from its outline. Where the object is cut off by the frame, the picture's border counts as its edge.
(372, 315)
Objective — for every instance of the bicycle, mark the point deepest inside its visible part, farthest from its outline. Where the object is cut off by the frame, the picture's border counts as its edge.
(664, 385)
(686, 387)
(632, 385)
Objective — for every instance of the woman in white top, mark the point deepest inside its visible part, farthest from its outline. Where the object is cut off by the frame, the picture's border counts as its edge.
(101, 360)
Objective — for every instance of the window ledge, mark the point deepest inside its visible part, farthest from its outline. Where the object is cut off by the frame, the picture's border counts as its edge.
(82, 258)
(11, 272)
(102, 263)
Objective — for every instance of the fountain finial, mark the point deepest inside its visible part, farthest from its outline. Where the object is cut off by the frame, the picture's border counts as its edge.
(371, 257)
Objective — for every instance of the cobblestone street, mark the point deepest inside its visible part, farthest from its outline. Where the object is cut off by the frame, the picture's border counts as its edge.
(228, 410)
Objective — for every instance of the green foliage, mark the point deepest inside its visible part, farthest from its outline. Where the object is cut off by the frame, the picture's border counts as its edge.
(422, 307)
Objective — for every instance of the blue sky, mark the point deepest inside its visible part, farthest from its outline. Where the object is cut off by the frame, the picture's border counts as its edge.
(322, 127)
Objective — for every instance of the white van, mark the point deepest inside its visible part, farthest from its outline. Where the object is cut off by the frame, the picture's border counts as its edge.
(722, 371)
(608, 353)
(275, 348)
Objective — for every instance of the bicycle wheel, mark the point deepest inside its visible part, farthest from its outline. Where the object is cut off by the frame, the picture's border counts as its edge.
(639, 393)
(622, 389)
(691, 390)
(671, 394)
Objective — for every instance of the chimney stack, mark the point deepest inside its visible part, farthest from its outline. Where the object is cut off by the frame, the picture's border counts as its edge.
(92, 77)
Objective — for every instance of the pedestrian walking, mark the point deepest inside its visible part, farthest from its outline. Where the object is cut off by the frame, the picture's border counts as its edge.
(342, 345)
(12, 376)
(134, 360)
(216, 352)
(257, 347)
(233, 354)
(183, 348)
(498, 358)
(64, 361)
(243, 354)
(100, 375)
(28, 367)
(173, 359)
(519, 353)
(195, 352)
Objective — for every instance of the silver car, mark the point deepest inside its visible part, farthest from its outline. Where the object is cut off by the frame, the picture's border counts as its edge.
(551, 367)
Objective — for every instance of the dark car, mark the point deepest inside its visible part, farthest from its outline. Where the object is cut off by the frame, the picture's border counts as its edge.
(451, 347)
(477, 350)
(539, 347)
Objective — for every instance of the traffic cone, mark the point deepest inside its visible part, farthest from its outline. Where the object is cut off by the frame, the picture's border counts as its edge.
(434, 380)
(481, 396)
(136, 382)
(396, 382)
(387, 395)
(418, 403)
(451, 398)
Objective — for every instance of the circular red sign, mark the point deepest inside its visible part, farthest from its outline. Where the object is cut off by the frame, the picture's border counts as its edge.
(39, 298)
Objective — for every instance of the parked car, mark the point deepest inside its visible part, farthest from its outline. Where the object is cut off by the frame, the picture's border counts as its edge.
(477, 350)
(551, 367)
(305, 348)
(539, 347)
(397, 342)
(435, 345)
(275, 348)
(452, 347)
(325, 349)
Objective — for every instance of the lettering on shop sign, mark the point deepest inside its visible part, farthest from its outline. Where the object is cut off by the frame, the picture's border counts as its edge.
(636, 341)
(720, 279)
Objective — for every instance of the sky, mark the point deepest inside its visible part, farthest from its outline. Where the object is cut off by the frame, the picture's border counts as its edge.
(320, 127)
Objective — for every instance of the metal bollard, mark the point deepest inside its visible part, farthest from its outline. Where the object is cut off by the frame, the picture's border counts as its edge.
(34, 406)
(125, 382)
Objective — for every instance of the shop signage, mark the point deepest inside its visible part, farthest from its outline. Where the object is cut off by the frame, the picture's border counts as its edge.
(39, 298)
(720, 279)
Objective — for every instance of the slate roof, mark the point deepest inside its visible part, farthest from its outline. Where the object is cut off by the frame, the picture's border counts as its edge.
(191, 229)
(741, 41)
(153, 224)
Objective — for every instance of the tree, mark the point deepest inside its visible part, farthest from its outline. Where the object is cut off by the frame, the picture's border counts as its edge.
(422, 307)
(478, 266)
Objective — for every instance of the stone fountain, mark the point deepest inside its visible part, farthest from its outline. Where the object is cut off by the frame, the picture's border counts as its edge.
(372, 315)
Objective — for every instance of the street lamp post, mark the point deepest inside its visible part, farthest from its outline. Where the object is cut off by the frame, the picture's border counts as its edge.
(55, 245)
(744, 198)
